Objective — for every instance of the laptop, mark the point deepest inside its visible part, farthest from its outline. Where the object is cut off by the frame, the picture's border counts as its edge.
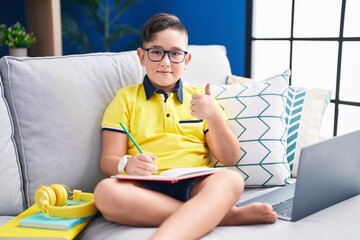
(328, 173)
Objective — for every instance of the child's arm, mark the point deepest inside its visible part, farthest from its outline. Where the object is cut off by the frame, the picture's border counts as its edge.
(114, 146)
(222, 143)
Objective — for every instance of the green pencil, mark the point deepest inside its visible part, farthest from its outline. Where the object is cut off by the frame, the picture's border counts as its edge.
(131, 138)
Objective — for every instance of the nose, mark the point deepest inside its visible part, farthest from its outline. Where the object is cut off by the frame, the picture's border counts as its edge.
(166, 59)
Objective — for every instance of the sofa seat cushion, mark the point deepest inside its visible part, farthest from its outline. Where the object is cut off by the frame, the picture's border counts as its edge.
(4, 219)
(336, 222)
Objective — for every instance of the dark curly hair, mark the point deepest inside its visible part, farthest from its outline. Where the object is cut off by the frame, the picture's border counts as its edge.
(160, 22)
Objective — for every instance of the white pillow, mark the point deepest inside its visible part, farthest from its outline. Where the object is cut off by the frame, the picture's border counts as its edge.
(256, 114)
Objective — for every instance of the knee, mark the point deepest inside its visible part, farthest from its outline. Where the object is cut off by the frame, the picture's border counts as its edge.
(234, 181)
(100, 190)
(103, 194)
(111, 200)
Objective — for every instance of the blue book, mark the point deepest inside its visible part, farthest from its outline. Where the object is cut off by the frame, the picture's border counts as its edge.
(42, 220)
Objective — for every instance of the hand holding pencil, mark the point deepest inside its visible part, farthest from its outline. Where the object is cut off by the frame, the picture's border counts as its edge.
(142, 163)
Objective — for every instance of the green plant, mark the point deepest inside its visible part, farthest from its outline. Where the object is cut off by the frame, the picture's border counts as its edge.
(15, 36)
(104, 17)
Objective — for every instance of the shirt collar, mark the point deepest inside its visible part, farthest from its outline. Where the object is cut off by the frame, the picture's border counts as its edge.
(150, 89)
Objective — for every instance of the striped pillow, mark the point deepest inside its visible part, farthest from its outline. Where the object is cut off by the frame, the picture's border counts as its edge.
(305, 110)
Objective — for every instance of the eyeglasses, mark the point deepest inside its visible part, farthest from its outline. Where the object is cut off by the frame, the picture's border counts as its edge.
(157, 55)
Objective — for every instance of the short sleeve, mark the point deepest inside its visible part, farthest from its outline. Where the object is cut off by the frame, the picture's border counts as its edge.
(116, 112)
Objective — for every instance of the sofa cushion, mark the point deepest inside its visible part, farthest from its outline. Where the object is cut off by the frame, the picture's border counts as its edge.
(256, 114)
(57, 105)
(305, 109)
(340, 221)
(10, 188)
(209, 63)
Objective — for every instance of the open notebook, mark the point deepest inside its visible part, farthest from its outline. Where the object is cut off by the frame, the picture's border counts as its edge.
(172, 175)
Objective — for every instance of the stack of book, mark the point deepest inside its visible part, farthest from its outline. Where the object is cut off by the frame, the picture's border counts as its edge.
(32, 223)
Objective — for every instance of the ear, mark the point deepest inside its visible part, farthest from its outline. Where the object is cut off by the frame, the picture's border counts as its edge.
(187, 59)
(141, 54)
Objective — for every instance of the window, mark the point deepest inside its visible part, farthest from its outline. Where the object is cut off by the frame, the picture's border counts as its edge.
(319, 40)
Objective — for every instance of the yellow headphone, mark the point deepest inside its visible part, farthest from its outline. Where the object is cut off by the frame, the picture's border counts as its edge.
(53, 202)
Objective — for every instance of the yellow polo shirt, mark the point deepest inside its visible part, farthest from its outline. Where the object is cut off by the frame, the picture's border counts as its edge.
(161, 125)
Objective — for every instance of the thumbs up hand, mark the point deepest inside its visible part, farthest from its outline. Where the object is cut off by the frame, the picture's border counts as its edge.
(207, 89)
(203, 105)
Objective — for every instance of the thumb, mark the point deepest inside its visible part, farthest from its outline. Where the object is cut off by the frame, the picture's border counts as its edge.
(207, 89)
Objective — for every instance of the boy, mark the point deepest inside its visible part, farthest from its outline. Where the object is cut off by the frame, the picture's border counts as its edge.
(174, 125)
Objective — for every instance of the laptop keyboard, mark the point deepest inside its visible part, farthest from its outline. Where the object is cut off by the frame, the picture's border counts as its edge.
(284, 208)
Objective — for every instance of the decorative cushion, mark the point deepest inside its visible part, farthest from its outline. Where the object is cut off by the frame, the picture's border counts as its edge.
(10, 173)
(256, 114)
(305, 110)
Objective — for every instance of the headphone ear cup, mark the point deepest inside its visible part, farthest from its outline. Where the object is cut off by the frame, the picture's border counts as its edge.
(51, 200)
(61, 194)
(45, 196)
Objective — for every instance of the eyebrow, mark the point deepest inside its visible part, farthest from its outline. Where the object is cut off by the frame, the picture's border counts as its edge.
(173, 48)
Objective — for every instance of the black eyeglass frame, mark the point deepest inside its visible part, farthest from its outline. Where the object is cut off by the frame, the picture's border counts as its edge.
(165, 52)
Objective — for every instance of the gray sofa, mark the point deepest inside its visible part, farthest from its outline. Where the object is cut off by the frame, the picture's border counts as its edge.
(50, 113)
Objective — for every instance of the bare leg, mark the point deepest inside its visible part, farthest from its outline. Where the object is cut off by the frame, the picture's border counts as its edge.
(213, 198)
(126, 202)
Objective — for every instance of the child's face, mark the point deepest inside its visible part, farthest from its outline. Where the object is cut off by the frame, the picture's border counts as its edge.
(164, 74)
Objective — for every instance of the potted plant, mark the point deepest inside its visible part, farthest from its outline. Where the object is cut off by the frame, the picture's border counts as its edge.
(16, 39)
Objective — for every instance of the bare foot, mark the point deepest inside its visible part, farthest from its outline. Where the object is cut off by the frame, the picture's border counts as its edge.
(255, 213)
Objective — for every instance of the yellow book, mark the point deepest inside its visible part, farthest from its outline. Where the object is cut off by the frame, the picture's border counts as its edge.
(11, 229)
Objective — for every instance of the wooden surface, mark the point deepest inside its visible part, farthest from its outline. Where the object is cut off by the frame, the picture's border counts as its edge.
(44, 19)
